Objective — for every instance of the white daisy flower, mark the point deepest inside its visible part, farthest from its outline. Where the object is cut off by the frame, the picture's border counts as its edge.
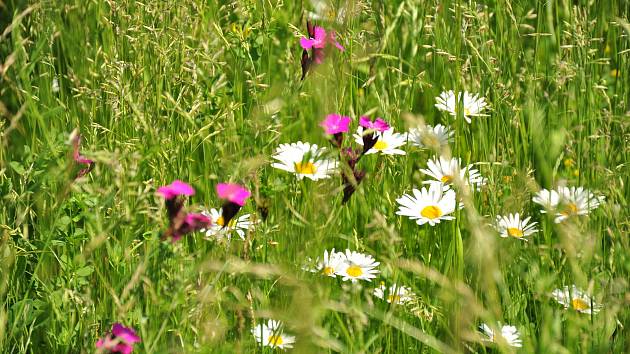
(304, 160)
(357, 266)
(271, 335)
(387, 144)
(428, 206)
(240, 224)
(432, 137)
(444, 171)
(397, 294)
(473, 104)
(508, 333)
(512, 226)
(567, 201)
(577, 299)
(329, 265)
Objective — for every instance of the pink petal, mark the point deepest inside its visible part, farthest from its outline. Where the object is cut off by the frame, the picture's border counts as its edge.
(306, 43)
(335, 43)
(125, 334)
(233, 193)
(379, 124)
(320, 37)
(335, 123)
(176, 188)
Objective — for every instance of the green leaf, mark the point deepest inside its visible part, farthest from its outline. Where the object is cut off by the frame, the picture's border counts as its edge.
(17, 167)
(85, 271)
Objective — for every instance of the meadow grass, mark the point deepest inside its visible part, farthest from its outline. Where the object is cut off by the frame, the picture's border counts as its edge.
(204, 91)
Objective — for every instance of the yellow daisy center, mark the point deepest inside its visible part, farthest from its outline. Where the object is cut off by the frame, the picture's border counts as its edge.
(431, 212)
(446, 179)
(569, 209)
(380, 145)
(466, 111)
(430, 140)
(354, 271)
(328, 271)
(515, 232)
(393, 299)
(275, 340)
(579, 304)
(221, 222)
(306, 168)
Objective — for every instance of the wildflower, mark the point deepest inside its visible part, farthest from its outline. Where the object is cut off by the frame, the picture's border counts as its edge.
(336, 125)
(219, 228)
(473, 104)
(234, 197)
(329, 265)
(444, 171)
(316, 42)
(428, 206)
(357, 266)
(175, 189)
(180, 222)
(509, 334)
(396, 294)
(385, 142)
(576, 299)
(433, 137)
(75, 138)
(304, 160)
(512, 226)
(271, 335)
(120, 340)
(379, 124)
(567, 202)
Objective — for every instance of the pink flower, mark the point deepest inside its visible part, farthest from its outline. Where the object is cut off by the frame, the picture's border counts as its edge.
(76, 155)
(175, 189)
(120, 340)
(233, 193)
(192, 222)
(335, 123)
(317, 40)
(379, 124)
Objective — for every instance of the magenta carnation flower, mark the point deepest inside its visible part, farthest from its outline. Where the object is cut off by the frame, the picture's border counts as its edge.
(120, 340)
(175, 189)
(233, 193)
(316, 42)
(378, 124)
(369, 136)
(335, 123)
(234, 196)
(180, 222)
(317, 39)
(77, 157)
